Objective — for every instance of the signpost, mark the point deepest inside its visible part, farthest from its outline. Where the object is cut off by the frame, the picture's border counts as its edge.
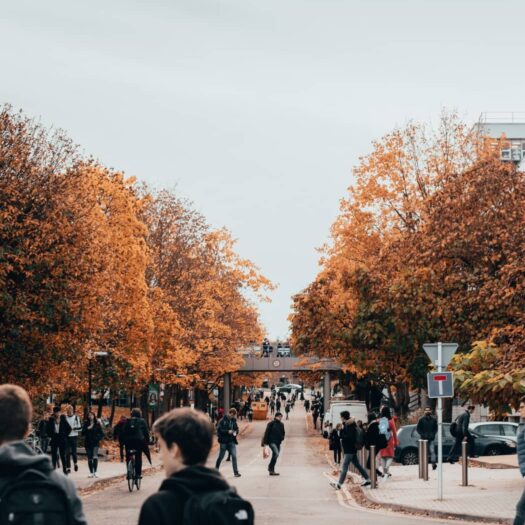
(440, 383)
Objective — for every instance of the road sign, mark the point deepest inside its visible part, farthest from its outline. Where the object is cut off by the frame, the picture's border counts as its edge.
(440, 384)
(447, 351)
(153, 395)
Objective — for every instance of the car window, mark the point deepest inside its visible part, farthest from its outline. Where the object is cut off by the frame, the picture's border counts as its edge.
(510, 430)
(488, 430)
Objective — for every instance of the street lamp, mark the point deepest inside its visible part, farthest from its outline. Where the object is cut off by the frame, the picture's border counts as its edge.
(91, 355)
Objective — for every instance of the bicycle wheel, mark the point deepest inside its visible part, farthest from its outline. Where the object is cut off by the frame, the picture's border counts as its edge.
(131, 474)
(137, 483)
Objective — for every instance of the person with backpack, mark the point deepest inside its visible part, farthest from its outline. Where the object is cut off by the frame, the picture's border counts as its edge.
(520, 449)
(315, 415)
(227, 432)
(118, 432)
(459, 429)
(387, 427)
(272, 438)
(93, 435)
(72, 438)
(352, 440)
(334, 441)
(427, 428)
(26, 478)
(58, 430)
(191, 492)
(135, 435)
(375, 438)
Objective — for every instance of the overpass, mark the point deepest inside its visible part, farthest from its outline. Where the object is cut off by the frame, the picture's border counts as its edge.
(284, 364)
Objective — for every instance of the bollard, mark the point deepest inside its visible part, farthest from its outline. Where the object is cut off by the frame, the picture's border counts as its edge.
(361, 455)
(464, 464)
(373, 473)
(424, 457)
(420, 457)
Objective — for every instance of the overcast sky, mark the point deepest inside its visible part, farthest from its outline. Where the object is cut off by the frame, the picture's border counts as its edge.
(257, 110)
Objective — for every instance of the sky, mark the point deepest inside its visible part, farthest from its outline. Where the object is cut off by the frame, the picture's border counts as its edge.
(257, 111)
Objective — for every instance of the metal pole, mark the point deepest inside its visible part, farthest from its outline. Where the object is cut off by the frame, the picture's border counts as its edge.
(440, 428)
(464, 464)
(226, 392)
(424, 457)
(373, 474)
(420, 457)
(326, 392)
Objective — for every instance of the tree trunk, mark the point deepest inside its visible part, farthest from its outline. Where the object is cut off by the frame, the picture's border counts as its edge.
(112, 413)
(100, 403)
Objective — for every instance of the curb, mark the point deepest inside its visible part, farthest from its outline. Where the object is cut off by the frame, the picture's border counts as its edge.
(483, 464)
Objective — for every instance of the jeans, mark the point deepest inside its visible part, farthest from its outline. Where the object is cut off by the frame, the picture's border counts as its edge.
(138, 446)
(337, 456)
(71, 451)
(520, 511)
(44, 444)
(276, 449)
(351, 458)
(58, 447)
(232, 449)
(432, 451)
(92, 455)
(456, 449)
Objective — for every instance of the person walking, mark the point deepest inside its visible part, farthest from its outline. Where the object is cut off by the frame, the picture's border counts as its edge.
(118, 433)
(427, 428)
(273, 437)
(315, 415)
(462, 433)
(135, 435)
(352, 440)
(41, 432)
(227, 432)
(287, 409)
(334, 441)
(272, 406)
(29, 479)
(388, 428)
(185, 438)
(520, 449)
(375, 438)
(72, 438)
(93, 435)
(278, 404)
(307, 405)
(58, 430)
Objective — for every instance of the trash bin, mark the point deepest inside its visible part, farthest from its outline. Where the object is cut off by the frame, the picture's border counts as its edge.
(260, 410)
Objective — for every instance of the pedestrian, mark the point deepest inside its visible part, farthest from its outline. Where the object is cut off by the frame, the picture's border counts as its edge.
(41, 432)
(427, 429)
(273, 437)
(334, 440)
(29, 479)
(315, 415)
(278, 404)
(287, 409)
(118, 434)
(352, 440)
(520, 448)
(191, 489)
(272, 407)
(307, 405)
(250, 414)
(58, 430)
(135, 435)
(227, 432)
(387, 428)
(461, 429)
(72, 438)
(374, 438)
(93, 435)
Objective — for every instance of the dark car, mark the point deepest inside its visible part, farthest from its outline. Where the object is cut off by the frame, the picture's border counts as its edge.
(407, 452)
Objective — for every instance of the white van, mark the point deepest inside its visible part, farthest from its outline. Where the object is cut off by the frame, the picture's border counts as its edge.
(357, 411)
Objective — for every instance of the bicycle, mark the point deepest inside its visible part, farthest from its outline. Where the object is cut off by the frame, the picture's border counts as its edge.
(133, 479)
(34, 442)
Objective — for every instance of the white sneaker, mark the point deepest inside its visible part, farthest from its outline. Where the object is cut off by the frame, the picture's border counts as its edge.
(335, 485)
(95, 475)
(91, 475)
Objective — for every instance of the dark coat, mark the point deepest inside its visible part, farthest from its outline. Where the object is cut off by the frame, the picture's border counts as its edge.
(335, 439)
(274, 433)
(463, 422)
(373, 437)
(223, 430)
(93, 436)
(352, 437)
(427, 427)
(64, 429)
(17, 457)
(166, 507)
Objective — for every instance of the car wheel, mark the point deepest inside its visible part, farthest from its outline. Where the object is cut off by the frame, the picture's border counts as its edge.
(493, 450)
(410, 457)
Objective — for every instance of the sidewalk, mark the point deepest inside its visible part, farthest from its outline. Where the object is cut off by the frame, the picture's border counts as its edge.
(492, 494)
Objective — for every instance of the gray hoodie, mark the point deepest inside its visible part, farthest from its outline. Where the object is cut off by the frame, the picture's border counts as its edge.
(16, 457)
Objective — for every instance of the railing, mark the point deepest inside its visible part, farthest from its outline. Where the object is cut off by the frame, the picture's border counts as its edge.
(513, 117)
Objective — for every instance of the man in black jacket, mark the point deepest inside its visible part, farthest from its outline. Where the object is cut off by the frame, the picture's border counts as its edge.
(135, 436)
(273, 437)
(352, 439)
(185, 439)
(427, 428)
(463, 432)
(227, 432)
(58, 430)
(16, 458)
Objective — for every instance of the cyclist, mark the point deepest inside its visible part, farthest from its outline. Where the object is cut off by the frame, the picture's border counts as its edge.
(135, 436)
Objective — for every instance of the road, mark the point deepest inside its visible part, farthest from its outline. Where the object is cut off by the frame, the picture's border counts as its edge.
(301, 494)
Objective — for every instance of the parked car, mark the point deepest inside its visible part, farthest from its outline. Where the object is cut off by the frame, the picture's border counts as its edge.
(407, 451)
(496, 428)
(289, 388)
(357, 411)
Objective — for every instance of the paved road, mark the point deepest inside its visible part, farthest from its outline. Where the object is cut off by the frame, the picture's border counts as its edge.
(300, 495)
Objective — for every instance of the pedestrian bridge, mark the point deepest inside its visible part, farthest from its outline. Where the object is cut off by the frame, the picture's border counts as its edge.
(287, 364)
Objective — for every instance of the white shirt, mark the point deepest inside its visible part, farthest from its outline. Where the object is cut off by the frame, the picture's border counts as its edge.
(74, 423)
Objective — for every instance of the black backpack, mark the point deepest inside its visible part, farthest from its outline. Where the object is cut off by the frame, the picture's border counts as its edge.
(359, 438)
(34, 499)
(224, 507)
(133, 430)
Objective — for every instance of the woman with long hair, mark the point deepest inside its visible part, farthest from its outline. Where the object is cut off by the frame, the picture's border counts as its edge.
(93, 435)
(387, 427)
